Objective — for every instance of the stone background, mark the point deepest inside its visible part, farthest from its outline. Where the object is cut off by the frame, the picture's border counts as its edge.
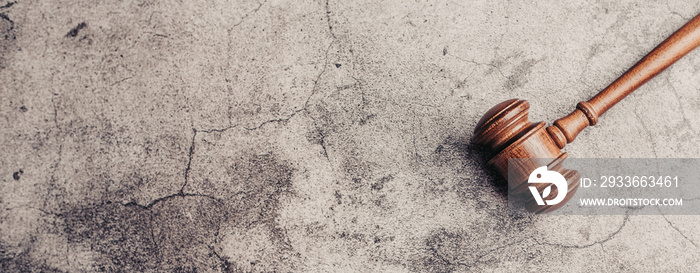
(311, 136)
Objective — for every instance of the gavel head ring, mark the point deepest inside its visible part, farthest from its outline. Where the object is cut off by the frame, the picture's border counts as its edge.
(506, 131)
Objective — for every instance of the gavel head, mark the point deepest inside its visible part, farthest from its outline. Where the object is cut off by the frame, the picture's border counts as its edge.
(507, 132)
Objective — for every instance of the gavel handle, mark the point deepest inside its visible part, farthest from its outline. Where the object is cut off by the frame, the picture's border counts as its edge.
(664, 55)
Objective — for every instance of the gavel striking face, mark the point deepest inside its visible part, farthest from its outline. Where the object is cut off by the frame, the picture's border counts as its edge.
(507, 132)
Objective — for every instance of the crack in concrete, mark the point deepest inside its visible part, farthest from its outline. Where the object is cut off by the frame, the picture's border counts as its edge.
(328, 19)
(679, 231)
(610, 237)
(437, 106)
(680, 103)
(225, 264)
(668, 6)
(322, 142)
(122, 80)
(55, 111)
(6, 18)
(9, 4)
(314, 89)
(189, 162)
(443, 259)
(153, 236)
(260, 4)
(218, 130)
(167, 197)
(103, 209)
(478, 258)
(416, 156)
(605, 260)
(646, 130)
(492, 65)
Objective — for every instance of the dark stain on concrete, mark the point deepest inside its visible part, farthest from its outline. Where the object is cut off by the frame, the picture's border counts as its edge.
(455, 150)
(461, 249)
(252, 176)
(176, 234)
(318, 137)
(452, 151)
(16, 175)
(379, 185)
(519, 76)
(444, 251)
(265, 179)
(8, 39)
(366, 118)
(186, 230)
(9, 4)
(255, 183)
(338, 197)
(122, 235)
(21, 262)
(74, 32)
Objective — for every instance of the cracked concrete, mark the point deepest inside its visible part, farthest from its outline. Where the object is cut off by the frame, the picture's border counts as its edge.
(320, 136)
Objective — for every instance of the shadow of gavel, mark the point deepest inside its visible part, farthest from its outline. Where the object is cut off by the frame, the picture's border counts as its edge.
(507, 132)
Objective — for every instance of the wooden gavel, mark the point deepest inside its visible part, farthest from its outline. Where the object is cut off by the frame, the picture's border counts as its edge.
(506, 130)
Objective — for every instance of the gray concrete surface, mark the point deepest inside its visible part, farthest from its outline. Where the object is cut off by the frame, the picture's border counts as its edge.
(311, 136)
